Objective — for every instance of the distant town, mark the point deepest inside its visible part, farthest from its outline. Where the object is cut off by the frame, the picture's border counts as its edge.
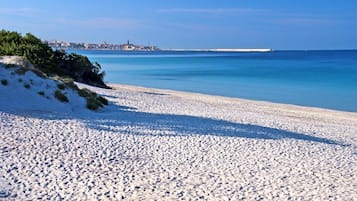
(55, 44)
(102, 46)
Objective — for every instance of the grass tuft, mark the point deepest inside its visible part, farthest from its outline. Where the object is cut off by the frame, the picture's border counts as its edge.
(61, 86)
(69, 82)
(93, 104)
(94, 101)
(86, 93)
(103, 100)
(61, 97)
(27, 86)
(4, 82)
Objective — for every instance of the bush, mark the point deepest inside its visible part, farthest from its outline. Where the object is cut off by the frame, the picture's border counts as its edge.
(93, 104)
(80, 68)
(27, 86)
(51, 62)
(41, 93)
(60, 96)
(61, 86)
(69, 82)
(93, 100)
(72, 85)
(4, 82)
(103, 100)
(86, 93)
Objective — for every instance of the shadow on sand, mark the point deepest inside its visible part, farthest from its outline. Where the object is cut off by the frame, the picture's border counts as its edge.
(127, 120)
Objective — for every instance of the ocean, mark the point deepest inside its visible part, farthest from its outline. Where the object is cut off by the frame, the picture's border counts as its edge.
(326, 79)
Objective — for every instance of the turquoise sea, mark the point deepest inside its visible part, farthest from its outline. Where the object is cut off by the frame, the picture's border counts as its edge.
(326, 79)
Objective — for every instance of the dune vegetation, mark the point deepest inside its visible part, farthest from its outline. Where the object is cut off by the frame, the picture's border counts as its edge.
(31, 54)
(49, 61)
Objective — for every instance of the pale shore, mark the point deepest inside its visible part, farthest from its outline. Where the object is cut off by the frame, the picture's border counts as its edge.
(224, 50)
(152, 144)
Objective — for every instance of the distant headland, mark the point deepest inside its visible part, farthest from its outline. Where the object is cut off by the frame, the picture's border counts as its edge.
(224, 50)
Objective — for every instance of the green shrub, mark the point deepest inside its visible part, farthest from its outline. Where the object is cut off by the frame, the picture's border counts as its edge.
(60, 96)
(61, 86)
(93, 100)
(93, 104)
(86, 93)
(103, 100)
(42, 93)
(69, 82)
(20, 80)
(51, 62)
(72, 85)
(4, 82)
(27, 86)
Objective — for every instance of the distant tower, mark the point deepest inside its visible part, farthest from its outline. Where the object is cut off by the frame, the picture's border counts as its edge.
(128, 42)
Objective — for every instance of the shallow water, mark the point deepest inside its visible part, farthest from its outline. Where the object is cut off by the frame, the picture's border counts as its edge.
(326, 79)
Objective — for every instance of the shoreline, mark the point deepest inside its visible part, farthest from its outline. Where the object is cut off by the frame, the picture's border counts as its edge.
(228, 98)
(169, 145)
(262, 113)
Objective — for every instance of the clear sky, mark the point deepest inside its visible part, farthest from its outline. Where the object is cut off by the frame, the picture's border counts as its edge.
(277, 24)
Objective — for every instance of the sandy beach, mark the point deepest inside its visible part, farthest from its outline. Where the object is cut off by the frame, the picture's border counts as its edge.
(152, 144)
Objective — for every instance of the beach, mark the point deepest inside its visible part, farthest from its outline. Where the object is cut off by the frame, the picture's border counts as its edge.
(152, 144)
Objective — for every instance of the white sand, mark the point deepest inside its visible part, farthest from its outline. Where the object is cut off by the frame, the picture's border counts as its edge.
(159, 144)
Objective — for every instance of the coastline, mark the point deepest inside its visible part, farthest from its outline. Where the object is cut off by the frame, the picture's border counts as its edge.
(164, 144)
(227, 98)
(223, 50)
(279, 76)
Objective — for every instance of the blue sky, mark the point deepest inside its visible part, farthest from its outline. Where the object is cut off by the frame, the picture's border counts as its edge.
(277, 24)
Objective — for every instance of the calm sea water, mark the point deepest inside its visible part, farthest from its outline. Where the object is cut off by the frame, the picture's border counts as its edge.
(325, 79)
